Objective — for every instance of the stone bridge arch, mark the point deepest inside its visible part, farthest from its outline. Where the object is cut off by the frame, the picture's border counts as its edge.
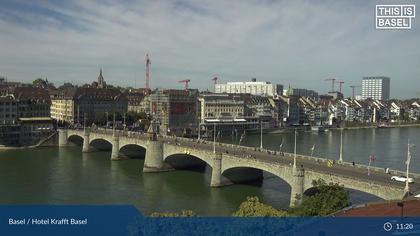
(95, 137)
(171, 150)
(124, 141)
(129, 151)
(139, 147)
(293, 177)
(186, 157)
(283, 172)
(379, 190)
(75, 138)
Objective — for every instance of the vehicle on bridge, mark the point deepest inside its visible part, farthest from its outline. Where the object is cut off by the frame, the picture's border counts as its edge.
(402, 179)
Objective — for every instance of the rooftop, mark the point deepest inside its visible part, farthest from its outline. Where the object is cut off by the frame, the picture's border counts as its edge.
(411, 207)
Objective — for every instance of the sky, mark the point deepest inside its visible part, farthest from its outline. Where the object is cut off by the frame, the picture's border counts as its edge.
(293, 42)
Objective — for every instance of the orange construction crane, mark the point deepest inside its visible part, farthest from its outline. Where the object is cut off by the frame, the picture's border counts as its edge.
(340, 83)
(332, 83)
(353, 87)
(186, 81)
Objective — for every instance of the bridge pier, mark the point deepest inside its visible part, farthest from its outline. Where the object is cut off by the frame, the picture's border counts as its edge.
(62, 137)
(298, 181)
(217, 179)
(86, 146)
(115, 148)
(153, 161)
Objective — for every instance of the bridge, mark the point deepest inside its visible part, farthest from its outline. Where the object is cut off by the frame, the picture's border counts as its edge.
(232, 163)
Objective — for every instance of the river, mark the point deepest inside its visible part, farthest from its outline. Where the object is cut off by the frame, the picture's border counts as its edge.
(53, 175)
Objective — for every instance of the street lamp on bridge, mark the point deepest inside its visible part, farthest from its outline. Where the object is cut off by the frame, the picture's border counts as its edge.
(214, 137)
(113, 125)
(84, 123)
(261, 138)
(294, 155)
(341, 146)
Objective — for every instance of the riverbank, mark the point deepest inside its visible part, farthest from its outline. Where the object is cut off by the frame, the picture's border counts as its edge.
(6, 148)
(49, 141)
(375, 126)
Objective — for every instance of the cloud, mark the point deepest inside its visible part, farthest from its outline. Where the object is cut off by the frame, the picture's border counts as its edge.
(287, 42)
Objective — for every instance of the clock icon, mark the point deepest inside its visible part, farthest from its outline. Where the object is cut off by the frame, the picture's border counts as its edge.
(387, 226)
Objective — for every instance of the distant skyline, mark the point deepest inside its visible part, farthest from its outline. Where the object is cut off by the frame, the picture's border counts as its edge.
(296, 43)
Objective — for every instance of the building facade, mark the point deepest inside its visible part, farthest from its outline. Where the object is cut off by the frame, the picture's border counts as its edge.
(215, 106)
(254, 87)
(299, 92)
(138, 101)
(25, 116)
(377, 87)
(8, 110)
(175, 111)
(75, 105)
(32, 102)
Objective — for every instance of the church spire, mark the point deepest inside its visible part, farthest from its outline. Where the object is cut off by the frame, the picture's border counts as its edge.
(101, 81)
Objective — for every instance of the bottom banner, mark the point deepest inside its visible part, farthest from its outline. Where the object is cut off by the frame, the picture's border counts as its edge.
(127, 220)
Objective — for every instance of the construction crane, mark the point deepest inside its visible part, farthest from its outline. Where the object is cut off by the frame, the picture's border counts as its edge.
(340, 83)
(332, 83)
(185, 81)
(353, 87)
(147, 89)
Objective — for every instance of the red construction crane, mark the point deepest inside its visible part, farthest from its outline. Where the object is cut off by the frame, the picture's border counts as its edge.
(332, 83)
(147, 89)
(215, 80)
(186, 81)
(341, 83)
(353, 87)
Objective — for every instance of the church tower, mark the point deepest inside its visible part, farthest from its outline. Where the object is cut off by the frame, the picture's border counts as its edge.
(101, 81)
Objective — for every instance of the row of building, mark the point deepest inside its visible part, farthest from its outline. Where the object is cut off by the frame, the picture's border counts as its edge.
(234, 107)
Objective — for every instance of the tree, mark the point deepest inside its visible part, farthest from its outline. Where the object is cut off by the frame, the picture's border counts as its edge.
(100, 118)
(40, 83)
(324, 200)
(253, 207)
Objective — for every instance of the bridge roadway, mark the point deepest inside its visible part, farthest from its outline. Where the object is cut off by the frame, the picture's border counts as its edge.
(228, 157)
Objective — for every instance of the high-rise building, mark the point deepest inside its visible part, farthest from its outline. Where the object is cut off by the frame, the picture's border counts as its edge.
(376, 87)
(253, 87)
